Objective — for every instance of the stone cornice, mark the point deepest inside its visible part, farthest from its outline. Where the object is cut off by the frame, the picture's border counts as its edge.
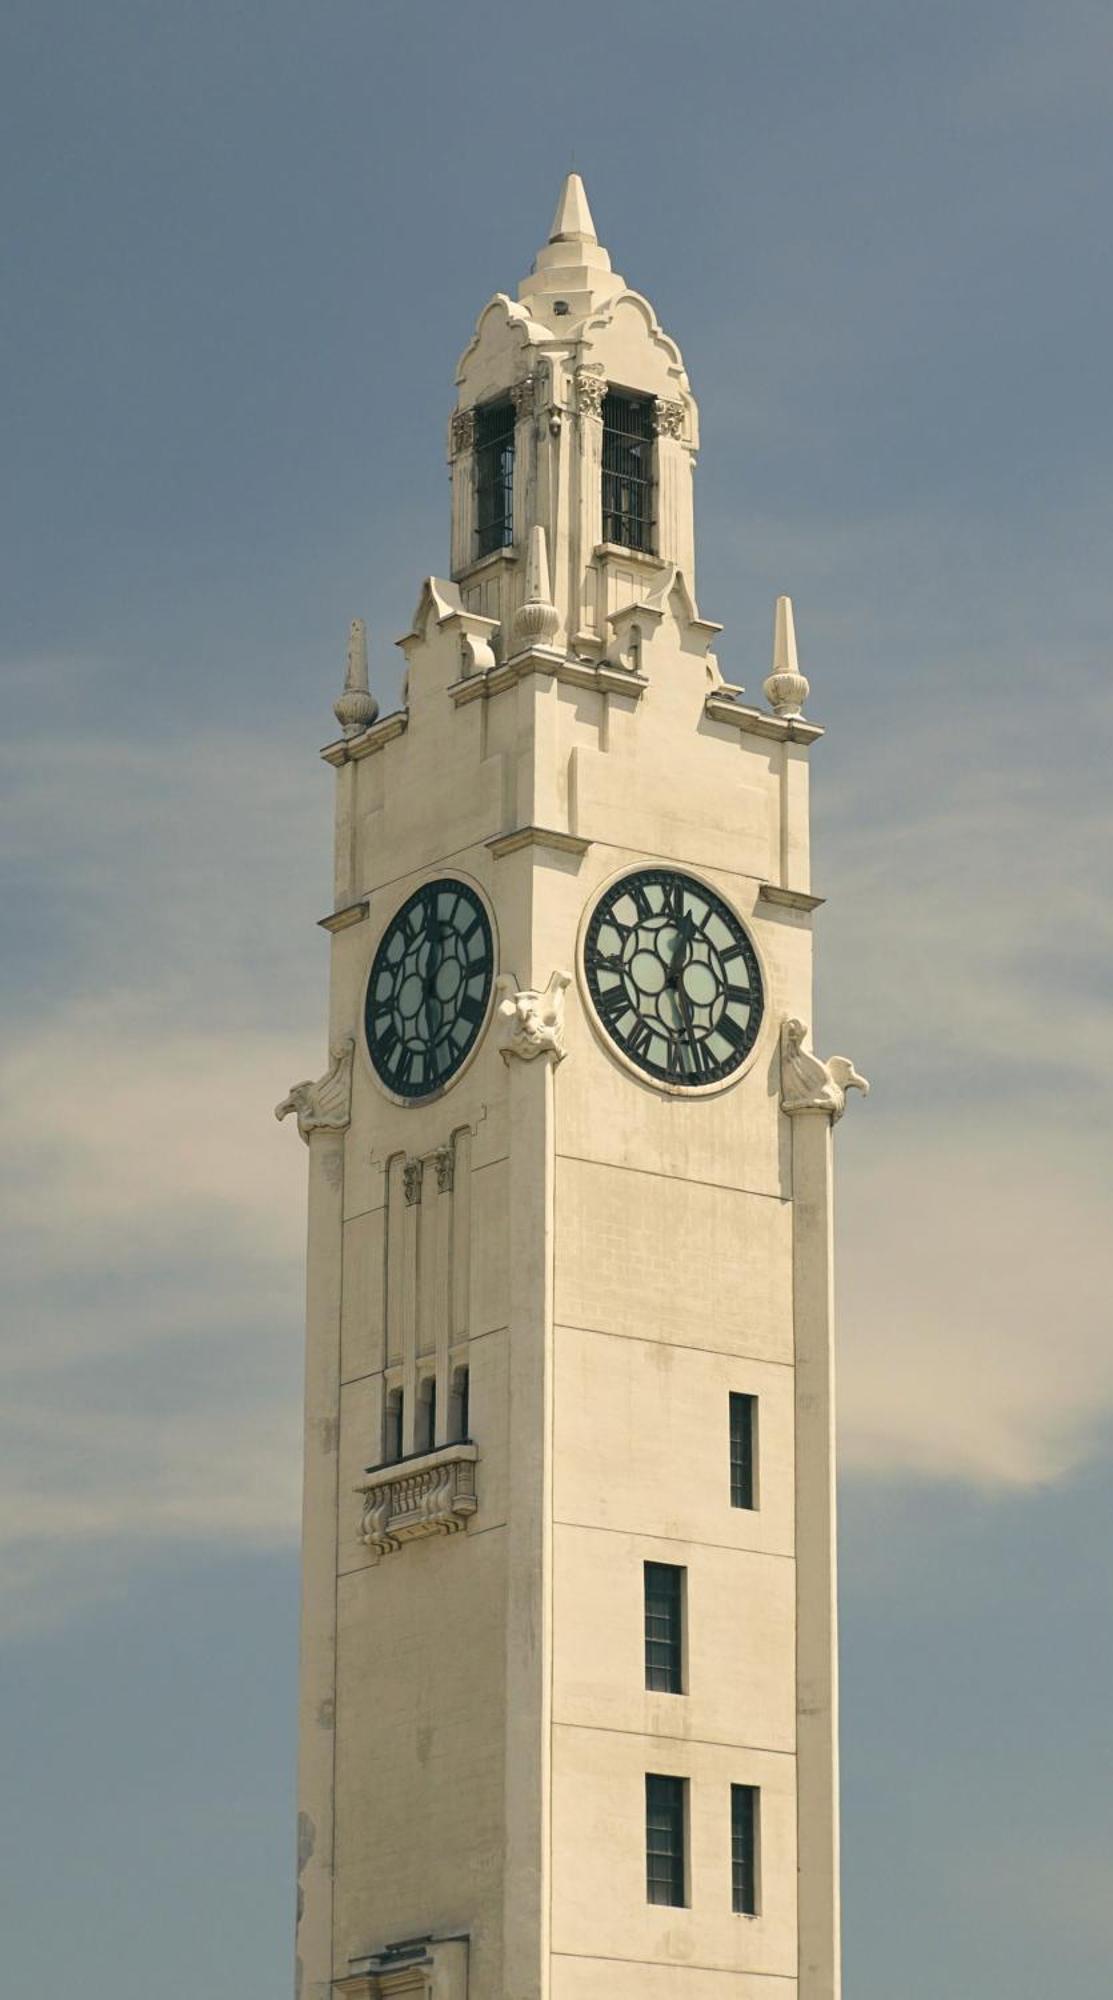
(349, 750)
(536, 836)
(606, 678)
(788, 899)
(755, 721)
(343, 919)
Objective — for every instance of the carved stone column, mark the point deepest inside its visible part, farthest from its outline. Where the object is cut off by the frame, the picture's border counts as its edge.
(462, 464)
(813, 1093)
(533, 1044)
(590, 391)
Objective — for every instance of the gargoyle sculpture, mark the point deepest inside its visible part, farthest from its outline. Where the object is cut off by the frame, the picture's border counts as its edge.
(807, 1084)
(533, 1021)
(328, 1102)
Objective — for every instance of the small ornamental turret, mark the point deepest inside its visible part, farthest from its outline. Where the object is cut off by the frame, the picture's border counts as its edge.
(786, 689)
(356, 709)
(537, 620)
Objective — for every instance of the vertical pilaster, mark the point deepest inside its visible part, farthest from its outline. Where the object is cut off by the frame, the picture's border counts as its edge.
(795, 854)
(413, 1176)
(817, 1748)
(344, 848)
(319, 1543)
(462, 461)
(590, 390)
(529, 1582)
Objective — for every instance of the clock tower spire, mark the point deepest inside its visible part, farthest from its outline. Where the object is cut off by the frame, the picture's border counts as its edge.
(569, 1689)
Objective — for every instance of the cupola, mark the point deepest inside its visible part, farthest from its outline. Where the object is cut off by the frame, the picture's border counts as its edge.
(574, 416)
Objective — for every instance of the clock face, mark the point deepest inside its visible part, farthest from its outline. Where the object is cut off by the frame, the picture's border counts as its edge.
(673, 977)
(429, 988)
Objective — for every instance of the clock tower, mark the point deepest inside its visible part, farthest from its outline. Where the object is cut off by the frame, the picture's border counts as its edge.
(568, 1680)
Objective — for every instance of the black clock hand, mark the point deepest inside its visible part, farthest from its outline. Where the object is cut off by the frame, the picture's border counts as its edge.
(683, 940)
(432, 968)
(688, 1021)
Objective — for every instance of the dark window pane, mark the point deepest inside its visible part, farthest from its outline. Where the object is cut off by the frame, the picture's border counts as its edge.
(494, 477)
(458, 1420)
(743, 1423)
(743, 1849)
(392, 1440)
(664, 1839)
(664, 1627)
(628, 471)
(427, 1416)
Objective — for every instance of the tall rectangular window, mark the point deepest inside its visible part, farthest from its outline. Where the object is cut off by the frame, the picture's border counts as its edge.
(664, 1627)
(494, 477)
(628, 470)
(393, 1416)
(743, 1848)
(743, 1433)
(665, 1869)
(426, 1428)
(458, 1408)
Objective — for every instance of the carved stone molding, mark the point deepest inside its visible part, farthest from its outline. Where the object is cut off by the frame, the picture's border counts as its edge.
(420, 1969)
(533, 1021)
(444, 1160)
(590, 391)
(523, 397)
(807, 1083)
(463, 431)
(413, 1172)
(668, 418)
(430, 1495)
(327, 1104)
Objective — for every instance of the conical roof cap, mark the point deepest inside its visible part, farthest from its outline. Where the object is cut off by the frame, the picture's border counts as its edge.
(572, 274)
(573, 220)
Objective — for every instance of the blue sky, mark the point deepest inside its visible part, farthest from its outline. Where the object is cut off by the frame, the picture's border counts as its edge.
(246, 245)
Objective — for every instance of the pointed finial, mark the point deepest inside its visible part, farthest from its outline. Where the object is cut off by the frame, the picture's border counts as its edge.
(536, 620)
(356, 708)
(786, 688)
(572, 221)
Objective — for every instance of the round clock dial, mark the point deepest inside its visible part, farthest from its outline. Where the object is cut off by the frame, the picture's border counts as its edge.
(673, 977)
(429, 988)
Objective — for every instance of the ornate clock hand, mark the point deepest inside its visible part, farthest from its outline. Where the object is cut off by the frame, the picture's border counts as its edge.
(683, 941)
(688, 1022)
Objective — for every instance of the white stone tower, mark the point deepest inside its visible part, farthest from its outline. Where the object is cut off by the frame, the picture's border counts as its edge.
(568, 1720)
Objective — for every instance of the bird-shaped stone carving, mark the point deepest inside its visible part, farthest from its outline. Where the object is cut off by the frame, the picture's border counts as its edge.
(809, 1084)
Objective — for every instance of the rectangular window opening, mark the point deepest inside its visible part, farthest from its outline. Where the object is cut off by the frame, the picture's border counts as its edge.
(494, 477)
(743, 1452)
(392, 1426)
(426, 1436)
(744, 1833)
(458, 1405)
(628, 470)
(665, 1861)
(664, 1627)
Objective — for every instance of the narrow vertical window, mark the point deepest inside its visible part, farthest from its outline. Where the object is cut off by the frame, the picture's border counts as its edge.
(628, 470)
(494, 477)
(664, 1627)
(743, 1433)
(458, 1407)
(392, 1426)
(665, 1869)
(426, 1436)
(743, 1848)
